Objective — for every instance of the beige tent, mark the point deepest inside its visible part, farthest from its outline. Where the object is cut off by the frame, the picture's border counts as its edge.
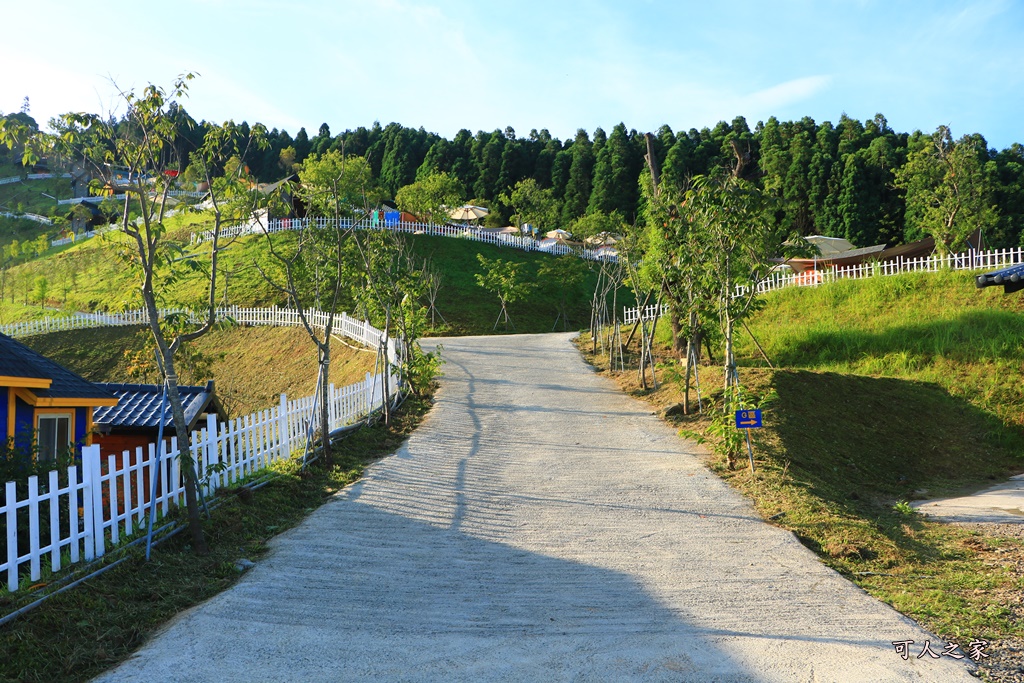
(468, 213)
(830, 246)
(602, 239)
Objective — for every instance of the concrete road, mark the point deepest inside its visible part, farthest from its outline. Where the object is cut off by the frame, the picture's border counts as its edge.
(539, 526)
(999, 504)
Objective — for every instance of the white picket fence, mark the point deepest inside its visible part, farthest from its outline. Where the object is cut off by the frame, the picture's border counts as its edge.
(28, 216)
(93, 198)
(355, 329)
(122, 197)
(631, 315)
(73, 516)
(970, 260)
(32, 176)
(76, 238)
(256, 226)
(276, 225)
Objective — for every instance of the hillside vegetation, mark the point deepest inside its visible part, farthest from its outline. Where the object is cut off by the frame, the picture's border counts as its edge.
(888, 390)
(935, 328)
(251, 366)
(97, 275)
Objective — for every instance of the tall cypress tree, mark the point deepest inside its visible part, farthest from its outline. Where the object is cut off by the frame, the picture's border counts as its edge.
(579, 183)
(560, 169)
(438, 160)
(462, 166)
(544, 163)
(514, 166)
(796, 188)
(1009, 197)
(678, 166)
(616, 172)
(302, 145)
(822, 189)
(488, 162)
(398, 167)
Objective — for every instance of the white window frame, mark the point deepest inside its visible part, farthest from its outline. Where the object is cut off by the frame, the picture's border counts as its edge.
(55, 417)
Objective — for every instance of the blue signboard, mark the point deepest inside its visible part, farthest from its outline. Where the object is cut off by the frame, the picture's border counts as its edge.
(748, 419)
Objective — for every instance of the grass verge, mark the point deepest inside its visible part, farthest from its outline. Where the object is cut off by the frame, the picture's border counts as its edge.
(839, 456)
(87, 630)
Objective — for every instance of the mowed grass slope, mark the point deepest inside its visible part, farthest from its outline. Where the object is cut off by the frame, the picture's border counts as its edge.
(97, 275)
(936, 328)
(251, 366)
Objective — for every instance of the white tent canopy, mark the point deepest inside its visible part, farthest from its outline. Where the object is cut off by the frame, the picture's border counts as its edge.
(830, 246)
(468, 213)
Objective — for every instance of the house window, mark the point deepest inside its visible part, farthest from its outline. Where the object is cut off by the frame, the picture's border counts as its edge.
(54, 436)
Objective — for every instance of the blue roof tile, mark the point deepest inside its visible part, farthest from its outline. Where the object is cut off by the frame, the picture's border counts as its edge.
(140, 405)
(18, 360)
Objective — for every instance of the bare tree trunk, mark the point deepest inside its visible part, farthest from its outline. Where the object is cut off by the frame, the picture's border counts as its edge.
(730, 360)
(387, 368)
(325, 425)
(188, 464)
(650, 345)
(643, 354)
(692, 357)
(677, 333)
(686, 383)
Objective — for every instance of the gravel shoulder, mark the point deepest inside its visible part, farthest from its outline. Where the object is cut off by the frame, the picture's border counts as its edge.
(538, 526)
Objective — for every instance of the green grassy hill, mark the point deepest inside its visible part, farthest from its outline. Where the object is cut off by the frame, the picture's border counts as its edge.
(28, 195)
(251, 366)
(97, 275)
(935, 328)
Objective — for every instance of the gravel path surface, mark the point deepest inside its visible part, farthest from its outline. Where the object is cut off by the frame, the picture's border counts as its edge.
(539, 526)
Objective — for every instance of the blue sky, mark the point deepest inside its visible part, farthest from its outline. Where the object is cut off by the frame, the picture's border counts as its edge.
(451, 64)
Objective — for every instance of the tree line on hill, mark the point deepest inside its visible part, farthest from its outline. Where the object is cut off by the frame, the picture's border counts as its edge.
(859, 180)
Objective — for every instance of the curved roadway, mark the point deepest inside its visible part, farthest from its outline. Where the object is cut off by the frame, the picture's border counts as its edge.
(539, 526)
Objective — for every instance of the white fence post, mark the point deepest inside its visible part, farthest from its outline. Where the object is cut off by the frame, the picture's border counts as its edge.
(91, 472)
(212, 456)
(283, 438)
(12, 536)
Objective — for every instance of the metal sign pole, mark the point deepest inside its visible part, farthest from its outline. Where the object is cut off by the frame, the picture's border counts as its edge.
(746, 420)
(750, 452)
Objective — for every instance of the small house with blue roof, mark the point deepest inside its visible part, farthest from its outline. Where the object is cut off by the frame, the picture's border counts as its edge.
(44, 401)
(135, 420)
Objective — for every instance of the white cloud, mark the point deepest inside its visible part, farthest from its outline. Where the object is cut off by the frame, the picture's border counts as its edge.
(784, 94)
